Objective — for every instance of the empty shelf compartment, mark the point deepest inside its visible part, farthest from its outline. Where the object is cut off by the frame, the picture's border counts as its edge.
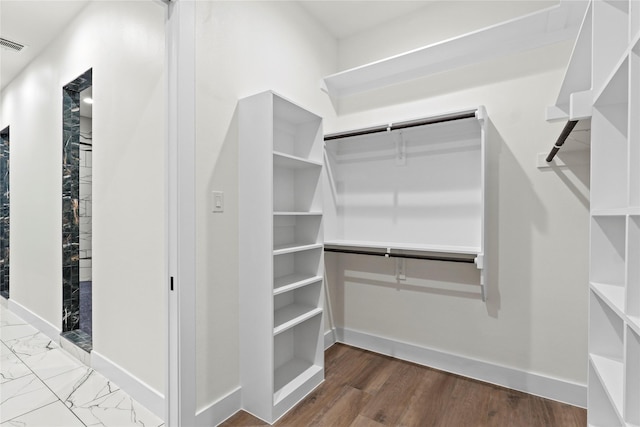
(298, 357)
(296, 306)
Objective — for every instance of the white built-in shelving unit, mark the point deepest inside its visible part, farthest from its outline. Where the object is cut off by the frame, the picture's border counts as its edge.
(608, 53)
(409, 189)
(281, 254)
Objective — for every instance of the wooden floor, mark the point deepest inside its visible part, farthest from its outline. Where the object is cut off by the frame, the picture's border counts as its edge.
(365, 389)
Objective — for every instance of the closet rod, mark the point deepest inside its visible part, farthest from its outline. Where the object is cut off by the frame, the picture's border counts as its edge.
(394, 255)
(561, 139)
(402, 125)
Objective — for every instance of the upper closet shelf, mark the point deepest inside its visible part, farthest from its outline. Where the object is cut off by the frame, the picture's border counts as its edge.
(548, 26)
(575, 99)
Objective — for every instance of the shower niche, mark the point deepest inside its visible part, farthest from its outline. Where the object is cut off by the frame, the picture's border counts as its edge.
(77, 175)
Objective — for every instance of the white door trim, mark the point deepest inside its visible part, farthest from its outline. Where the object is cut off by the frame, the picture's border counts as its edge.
(180, 401)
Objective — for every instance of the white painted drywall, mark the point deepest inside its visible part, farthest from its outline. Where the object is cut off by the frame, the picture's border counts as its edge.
(535, 318)
(242, 48)
(124, 44)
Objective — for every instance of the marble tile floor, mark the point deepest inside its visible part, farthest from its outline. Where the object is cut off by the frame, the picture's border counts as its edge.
(43, 386)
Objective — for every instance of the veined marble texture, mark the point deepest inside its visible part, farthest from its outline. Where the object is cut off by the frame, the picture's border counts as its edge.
(4, 212)
(42, 385)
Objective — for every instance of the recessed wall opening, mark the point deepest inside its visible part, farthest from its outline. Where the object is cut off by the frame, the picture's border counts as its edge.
(4, 214)
(77, 211)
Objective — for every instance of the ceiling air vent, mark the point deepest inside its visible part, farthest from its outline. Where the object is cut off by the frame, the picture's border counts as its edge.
(11, 45)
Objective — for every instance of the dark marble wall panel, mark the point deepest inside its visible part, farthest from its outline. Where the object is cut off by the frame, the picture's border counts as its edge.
(70, 201)
(4, 213)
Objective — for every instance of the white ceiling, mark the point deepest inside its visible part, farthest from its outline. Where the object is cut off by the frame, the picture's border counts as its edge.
(33, 24)
(343, 18)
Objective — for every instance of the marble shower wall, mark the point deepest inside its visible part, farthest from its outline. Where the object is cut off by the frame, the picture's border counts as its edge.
(4, 212)
(85, 198)
(71, 201)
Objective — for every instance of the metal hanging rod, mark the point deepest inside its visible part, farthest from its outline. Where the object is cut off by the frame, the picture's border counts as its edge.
(402, 125)
(401, 255)
(561, 139)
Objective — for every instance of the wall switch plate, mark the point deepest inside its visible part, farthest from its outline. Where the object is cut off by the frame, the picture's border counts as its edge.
(217, 201)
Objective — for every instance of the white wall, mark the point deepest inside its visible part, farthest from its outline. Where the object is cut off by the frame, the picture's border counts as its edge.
(124, 44)
(242, 48)
(535, 318)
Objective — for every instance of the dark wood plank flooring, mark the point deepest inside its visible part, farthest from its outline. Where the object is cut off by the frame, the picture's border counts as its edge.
(365, 389)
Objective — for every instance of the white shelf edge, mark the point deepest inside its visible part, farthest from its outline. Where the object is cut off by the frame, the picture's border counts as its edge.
(610, 294)
(577, 61)
(307, 312)
(459, 250)
(541, 28)
(634, 323)
(609, 372)
(304, 111)
(581, 105)
(634, 211)
(295, 382)
(610, 212)
(598, 92)
(295, 284)
(295, 159)
(296, 213)
(296, 248)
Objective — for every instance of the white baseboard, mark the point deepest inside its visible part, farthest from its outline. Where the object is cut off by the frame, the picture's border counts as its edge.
(44, 326)
(531, 383)
(329, 338)
(133, 386)
(220, 410)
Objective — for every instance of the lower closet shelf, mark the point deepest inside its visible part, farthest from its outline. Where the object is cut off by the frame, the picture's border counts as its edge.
(613, 295)
(293, 281)
(290, 376)
(611, 375)
(291, 315)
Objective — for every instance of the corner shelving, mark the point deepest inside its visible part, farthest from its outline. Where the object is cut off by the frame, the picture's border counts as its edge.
(281, 257)
(633, 269)
(610, 38)
(608, 256)
(632, 370)
(606, 347)
(576, 85)
(634, 125)
(601, 410)
(609, 161)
